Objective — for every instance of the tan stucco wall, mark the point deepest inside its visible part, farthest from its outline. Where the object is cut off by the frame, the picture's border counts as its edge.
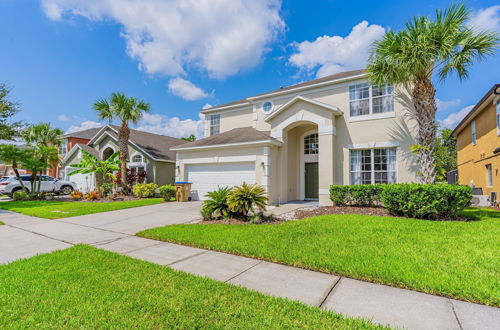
(472, 159)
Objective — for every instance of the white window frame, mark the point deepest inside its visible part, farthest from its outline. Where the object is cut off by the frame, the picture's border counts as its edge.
(498, 117)
(309, 146)
(268, 111)
(372, 164)
(137, 155)
(212, 126)
(63, 148)
(473, 132)
(489, 175)
(371, 115)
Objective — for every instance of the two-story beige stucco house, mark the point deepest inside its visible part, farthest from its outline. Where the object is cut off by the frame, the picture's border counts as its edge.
(298, 140)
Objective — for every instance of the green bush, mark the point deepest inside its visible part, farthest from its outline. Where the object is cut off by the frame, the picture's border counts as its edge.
(144, 190)
(246, 198)
(215, 206)
(426, 201)
(356, 195)
(20, 196)
(107, 189)
(167, 192)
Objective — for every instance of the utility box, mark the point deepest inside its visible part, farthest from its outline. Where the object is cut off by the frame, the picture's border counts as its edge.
(182, 191)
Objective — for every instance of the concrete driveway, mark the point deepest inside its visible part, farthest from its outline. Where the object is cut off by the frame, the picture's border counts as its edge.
(24, 236)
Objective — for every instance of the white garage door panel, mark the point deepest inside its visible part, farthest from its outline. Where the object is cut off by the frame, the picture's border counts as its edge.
(84, 182)
(209, 177)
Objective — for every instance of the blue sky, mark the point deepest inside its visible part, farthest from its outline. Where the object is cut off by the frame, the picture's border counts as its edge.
(59, 56)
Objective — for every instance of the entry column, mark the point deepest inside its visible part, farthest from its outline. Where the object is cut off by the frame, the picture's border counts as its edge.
(326, 159)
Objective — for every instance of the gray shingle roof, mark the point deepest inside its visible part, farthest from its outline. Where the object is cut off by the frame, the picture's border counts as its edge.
(89, 149)
(303, 84)
(156, 145)
(85, 134)
(236, 135)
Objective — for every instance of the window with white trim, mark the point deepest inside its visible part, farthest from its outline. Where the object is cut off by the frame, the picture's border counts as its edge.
(498, 118)
(137, 158)
(489, 175)
(311, 144)
(267, 107)
(63, 148)
(474, 133)
(214, 124)
(370, 166)
(365, 99)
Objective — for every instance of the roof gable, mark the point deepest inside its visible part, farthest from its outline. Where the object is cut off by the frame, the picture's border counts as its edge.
(296, 99)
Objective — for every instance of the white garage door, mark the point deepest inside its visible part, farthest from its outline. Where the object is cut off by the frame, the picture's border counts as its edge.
(84, 182)
(209, 177)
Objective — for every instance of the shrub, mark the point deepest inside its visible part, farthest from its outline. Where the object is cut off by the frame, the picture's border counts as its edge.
(107, 189)
(356, 195)
(20, 196)
(215, 206)
(245, 198)
(167, 192)
(426, 201)
(76, 195)
(92, 195)
(144, 190)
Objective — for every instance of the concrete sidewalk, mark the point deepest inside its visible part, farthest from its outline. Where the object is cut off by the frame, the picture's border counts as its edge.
(26, 236)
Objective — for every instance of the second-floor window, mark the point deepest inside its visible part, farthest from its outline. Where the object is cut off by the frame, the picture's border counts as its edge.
(365, 99)
(498, 118)
(214, 124)
(63, 148)
(474, 134)
(137, 158)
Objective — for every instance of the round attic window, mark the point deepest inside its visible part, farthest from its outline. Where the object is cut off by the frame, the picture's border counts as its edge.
(267, 107)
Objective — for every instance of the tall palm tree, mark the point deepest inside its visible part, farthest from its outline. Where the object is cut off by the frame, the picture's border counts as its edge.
(43, 135)
(126, 110)
(425, 48)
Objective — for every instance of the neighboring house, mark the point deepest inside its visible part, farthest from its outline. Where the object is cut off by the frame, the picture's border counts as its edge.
(478, 144)
(7, 170)
(68, 141)
(298, 140)
(148, 153)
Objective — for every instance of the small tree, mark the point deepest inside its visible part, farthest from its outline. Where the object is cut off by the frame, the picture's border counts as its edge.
(8, 108)
(246, 198)
(13, 156)
(101, 168)
(190, 138)
(445, 154)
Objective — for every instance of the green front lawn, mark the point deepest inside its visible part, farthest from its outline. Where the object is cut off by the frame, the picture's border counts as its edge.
(456, 259)
(58, 209)
(1, 223)
(84, 287)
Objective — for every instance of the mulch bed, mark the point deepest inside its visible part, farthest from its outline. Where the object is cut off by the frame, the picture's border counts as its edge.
(325, 210)
(266, 220)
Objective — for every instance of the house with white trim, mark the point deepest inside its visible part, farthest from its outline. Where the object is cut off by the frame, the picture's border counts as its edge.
(297, 141)
(148, 152)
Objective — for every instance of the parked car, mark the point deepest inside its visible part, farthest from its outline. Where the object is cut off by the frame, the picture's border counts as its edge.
(9, 185)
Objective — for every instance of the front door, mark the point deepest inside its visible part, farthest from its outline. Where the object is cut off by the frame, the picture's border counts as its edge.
(311, 181)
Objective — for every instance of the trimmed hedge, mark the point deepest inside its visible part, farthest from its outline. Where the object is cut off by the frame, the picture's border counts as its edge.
(423, 201)
(356, 195)
(426, 201)
(144, 190)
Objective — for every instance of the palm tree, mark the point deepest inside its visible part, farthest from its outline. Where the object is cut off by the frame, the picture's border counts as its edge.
(101, 168)
(45, 141)
(127, 110)
(425, 48)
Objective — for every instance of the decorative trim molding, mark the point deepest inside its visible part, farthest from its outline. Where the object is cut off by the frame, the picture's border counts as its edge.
(373, 145)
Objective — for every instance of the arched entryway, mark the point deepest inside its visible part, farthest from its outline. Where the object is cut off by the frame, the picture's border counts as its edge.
(106, 153)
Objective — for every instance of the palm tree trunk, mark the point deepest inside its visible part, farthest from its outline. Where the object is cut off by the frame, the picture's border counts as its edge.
(18, 177)
(123, 136)
(423, 95)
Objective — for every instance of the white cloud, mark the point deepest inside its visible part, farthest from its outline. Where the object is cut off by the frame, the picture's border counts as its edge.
(87, 124)
(174, 126)
(487, 19)
(207, 105)
(63, 117)
(453, 119)
(334, 54)
(443, 105)
(222, 37)
(186, 89)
